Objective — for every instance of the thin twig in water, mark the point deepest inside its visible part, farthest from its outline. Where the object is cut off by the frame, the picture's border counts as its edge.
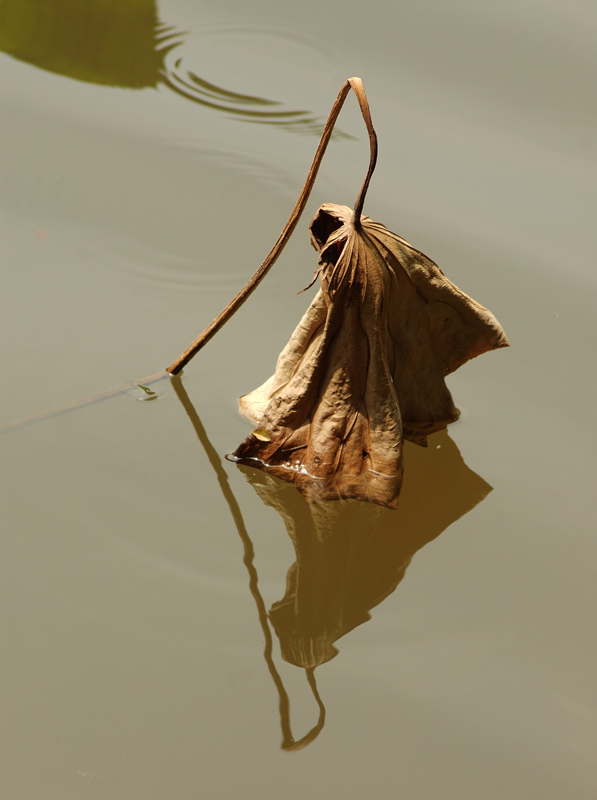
(87, 401)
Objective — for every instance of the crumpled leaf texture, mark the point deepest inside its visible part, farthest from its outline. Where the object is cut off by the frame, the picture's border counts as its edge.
(365, 367)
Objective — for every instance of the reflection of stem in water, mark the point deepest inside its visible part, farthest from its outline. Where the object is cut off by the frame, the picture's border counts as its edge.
(288, 742)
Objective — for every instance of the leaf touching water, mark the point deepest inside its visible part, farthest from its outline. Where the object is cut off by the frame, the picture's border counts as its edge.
(351, 556)
(365, 368)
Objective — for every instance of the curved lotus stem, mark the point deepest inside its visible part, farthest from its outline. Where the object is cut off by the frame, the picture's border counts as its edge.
(357, 86)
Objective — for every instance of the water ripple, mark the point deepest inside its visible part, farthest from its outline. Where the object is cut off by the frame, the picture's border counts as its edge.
(246, 46)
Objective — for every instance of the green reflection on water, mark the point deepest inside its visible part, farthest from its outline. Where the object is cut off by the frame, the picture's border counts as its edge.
(111, 42)
(122, 43)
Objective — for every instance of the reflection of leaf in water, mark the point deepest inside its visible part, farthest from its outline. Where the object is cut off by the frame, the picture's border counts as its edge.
(109, 42)
(350, 555)
(122, 43)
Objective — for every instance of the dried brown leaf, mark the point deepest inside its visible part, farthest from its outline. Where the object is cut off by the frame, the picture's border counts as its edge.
(365, 368)
(366, 365)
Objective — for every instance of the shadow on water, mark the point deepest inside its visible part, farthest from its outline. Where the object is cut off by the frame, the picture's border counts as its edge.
(122, 43)
(350, 555)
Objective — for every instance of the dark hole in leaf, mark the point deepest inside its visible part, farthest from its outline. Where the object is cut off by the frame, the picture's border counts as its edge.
(322, 228)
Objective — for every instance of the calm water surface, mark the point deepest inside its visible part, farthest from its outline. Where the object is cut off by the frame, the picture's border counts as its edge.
(177, 627)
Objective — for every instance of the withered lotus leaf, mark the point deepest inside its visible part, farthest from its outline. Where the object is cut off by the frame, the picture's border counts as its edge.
(366, 365)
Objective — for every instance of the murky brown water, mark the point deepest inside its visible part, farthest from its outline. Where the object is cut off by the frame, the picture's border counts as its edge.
(152, 646)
